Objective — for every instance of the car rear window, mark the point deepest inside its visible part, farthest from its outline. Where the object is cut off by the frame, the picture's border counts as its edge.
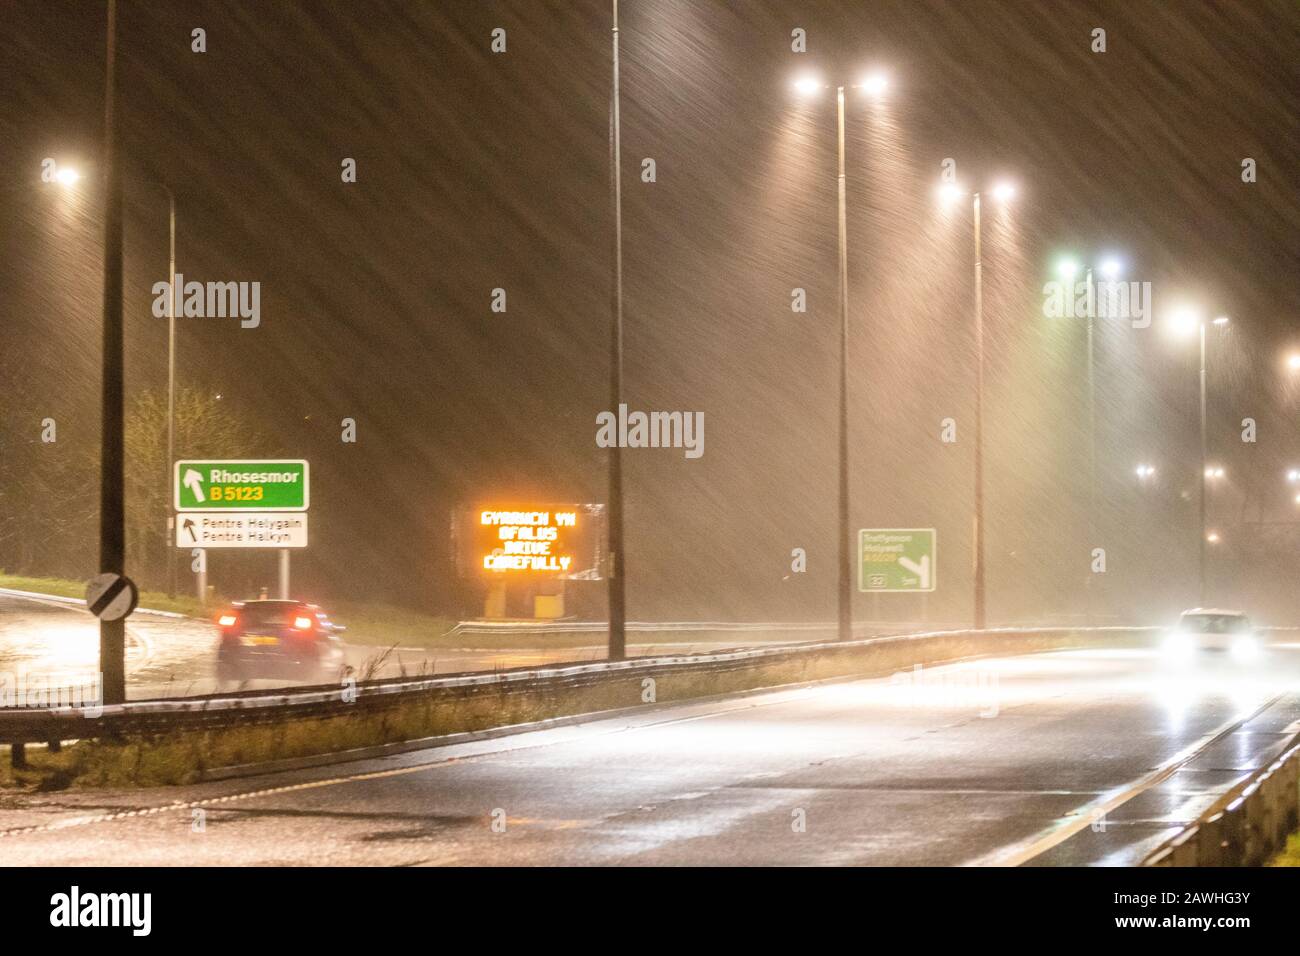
(269, 614)
(1215, 623)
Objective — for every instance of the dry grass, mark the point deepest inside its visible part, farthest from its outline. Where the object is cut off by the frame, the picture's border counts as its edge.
(183, 757)
(1291, 855)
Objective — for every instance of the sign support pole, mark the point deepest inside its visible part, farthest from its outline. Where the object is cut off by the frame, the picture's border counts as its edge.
(284, 574)
(112, 516)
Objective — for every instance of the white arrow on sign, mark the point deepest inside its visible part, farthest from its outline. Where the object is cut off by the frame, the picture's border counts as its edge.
(194, 481)
(921, 570)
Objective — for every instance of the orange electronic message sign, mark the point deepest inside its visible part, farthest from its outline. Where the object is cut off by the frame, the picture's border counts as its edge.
(561, 541)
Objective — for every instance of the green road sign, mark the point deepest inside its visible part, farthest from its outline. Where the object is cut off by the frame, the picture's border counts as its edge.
(251, 485)
(896, 559)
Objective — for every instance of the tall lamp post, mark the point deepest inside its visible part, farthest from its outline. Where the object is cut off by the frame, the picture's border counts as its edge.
(68, 177)
(112, 512)
(171, 385)
(875, 86)
(1110, 269)
(617, 566)
(1186, 321)
(950, 193)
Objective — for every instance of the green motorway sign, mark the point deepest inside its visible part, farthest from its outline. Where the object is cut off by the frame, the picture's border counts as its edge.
(896, 559)
(250, 485)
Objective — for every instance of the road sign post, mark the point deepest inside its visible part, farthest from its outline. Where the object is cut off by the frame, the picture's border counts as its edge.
(892, 560)
(112, 455)
(248, 503)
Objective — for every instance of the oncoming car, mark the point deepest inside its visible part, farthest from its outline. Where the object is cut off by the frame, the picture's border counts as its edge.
(278, 639)
(1213, 630)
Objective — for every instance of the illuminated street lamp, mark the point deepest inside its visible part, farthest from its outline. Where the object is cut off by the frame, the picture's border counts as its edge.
(1067, 268)
(1187, 320)
(807, 85)
(874, 86)
(68, 177)
(949, 194)
(616, 591)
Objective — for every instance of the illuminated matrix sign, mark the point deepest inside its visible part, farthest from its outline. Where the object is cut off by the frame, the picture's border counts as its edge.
(529, 540)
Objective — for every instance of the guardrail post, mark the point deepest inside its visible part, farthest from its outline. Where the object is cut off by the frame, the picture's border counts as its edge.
(1255, 812)
(1233, 836)
(55, 745)
(18, 756)
(1209, 848)
(1291, 775)
(1184, 851)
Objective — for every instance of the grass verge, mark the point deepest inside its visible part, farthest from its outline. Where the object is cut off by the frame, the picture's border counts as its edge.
(63, 587)
(385, 625)
(181, 758)
(1291, 855)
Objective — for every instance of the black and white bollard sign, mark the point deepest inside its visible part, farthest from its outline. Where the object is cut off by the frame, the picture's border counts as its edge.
(111, 596)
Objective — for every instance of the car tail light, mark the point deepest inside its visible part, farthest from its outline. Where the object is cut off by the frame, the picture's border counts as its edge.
(227, 620)
(302, 623)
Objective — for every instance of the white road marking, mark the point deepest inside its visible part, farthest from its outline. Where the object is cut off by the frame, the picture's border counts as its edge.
(1025, 850)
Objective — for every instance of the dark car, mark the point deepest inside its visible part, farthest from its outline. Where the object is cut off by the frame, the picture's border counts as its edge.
(278, 639)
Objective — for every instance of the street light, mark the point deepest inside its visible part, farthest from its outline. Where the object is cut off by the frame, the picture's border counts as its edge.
(1111, 268)
(808, 85)
(68, 177)
(875, 86)
(1067, 268)
(949, 194)
(616, 590)
(169, 556)
(1187, 320)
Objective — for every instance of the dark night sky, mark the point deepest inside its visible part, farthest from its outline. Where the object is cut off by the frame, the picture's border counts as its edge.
(479, 170)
